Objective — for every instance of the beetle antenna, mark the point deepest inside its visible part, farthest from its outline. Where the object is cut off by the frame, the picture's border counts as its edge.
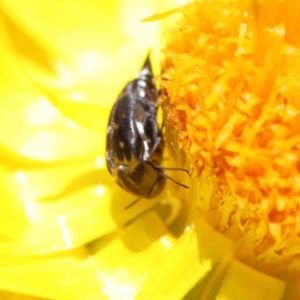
(178, 183)
(175, 169)
(133, 203)
(168, 169)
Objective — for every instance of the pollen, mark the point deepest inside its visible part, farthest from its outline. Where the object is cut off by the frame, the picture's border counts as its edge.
(230, 94)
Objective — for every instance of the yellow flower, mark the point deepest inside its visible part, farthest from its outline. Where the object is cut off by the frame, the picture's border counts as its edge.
(64, 233)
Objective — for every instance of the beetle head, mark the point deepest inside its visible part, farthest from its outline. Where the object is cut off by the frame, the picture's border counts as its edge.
(143, 179)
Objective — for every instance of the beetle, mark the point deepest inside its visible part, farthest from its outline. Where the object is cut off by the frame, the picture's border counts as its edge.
(134, 142)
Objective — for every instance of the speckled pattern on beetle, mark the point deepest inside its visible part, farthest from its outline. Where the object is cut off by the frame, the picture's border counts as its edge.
(134, 144)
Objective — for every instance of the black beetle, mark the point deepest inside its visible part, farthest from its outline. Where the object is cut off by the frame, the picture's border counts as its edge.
(134, 145)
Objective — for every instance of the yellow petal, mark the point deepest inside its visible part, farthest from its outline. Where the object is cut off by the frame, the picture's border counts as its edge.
(23, 40)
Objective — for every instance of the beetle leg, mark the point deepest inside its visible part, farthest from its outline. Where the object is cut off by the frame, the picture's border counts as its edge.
(145, 140)
(155, 134)
(157, 142)
(154, 185)
(150, 126)
(132, 203)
